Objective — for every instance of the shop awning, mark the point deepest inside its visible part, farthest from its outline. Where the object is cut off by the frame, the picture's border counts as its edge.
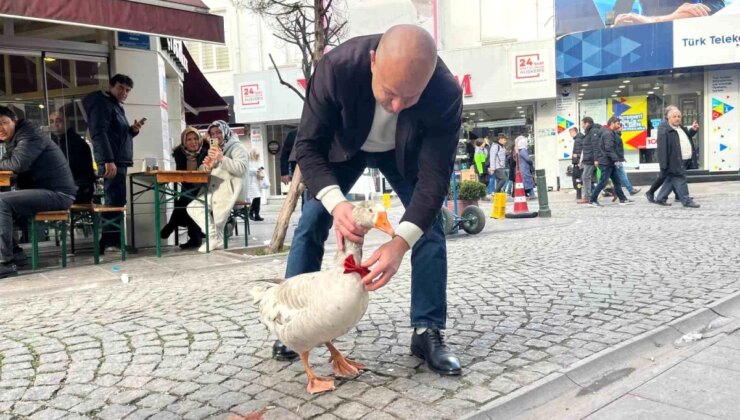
(203, 104)
(182, 19)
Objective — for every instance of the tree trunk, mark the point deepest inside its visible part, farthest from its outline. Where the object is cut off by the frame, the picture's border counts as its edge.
(283, 222)
(296, 187)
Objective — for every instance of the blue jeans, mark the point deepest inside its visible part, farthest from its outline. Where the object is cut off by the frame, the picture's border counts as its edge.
(20, 204)
(491, 184)
(115, 195)
(623, 177)
(428, 256)
(608, 172)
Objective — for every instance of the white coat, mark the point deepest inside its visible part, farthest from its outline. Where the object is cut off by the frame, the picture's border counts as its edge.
(224, 188)
(253, 184)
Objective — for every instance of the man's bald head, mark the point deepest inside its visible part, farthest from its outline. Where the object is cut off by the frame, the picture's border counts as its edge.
(402, 66)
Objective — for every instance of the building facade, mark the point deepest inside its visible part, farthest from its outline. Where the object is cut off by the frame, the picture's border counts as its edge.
(50, 62)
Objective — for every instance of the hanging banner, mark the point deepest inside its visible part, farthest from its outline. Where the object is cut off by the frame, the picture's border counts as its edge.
(567, 117)
(633, 112)
(723, 130)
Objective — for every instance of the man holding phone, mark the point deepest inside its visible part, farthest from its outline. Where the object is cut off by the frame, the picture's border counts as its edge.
(113, 145)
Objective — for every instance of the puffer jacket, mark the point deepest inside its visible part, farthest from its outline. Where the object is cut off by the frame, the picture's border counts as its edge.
(577, 148)
(606, 147)
(37, 161)
(590, 142)
(109, 128)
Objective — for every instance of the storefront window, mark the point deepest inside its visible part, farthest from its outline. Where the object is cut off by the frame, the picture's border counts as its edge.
(641, 102)
(42, 87)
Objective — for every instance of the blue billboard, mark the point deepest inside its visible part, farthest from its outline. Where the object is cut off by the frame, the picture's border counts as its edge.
(615, 51)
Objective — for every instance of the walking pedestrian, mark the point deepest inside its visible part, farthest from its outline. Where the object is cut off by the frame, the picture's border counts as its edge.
(526, 165)
(674, 156)
(497, 164)
(576, 154)
(591, 136)
(620, 169)
(607, 159)
(672, 112)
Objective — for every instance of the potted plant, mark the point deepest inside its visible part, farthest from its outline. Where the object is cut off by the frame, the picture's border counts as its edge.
(468, 194)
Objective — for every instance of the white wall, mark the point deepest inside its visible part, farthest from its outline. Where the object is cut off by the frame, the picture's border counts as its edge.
(492, 70)
(468, 23)
(147, 69)
(546, 151)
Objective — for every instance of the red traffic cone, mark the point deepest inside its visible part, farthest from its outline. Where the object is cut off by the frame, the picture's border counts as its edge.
(521, 210)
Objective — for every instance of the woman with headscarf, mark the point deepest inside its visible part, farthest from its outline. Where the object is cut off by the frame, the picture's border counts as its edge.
(188, 155)
(526, 166)
(254, 186)
(227, 162)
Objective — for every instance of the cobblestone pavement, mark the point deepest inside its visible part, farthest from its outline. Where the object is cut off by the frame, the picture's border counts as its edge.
(524, 301)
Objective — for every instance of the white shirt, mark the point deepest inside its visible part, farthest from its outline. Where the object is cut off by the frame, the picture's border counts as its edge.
(685, 143)
(382, 138)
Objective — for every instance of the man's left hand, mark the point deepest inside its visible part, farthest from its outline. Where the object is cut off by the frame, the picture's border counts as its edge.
(695, 126)
(215, 154)
(385, 261)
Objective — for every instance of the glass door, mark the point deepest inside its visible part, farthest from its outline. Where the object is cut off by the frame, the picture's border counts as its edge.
(21, 85)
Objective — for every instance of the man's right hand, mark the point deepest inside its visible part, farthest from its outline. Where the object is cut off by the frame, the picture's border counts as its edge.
(285, 179)
(345, 225)
(110, 170)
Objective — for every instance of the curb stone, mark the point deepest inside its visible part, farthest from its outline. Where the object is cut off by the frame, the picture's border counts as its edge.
(613, 372)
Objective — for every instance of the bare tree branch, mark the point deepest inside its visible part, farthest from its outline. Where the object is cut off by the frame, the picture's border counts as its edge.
(283, 82)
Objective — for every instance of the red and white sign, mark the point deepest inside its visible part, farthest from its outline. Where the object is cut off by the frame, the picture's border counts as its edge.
(252, 95)
(465, 85)
(529, 67)
(652, 143)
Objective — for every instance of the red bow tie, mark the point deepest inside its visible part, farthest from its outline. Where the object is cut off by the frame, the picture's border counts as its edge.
(350, 266)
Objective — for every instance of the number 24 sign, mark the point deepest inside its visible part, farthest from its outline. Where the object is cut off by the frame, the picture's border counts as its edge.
(529, 66)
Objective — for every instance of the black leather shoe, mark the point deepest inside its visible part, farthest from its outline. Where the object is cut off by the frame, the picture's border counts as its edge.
(282, 353)
(8, 270)
(430, 346)
(692, 205)
(192, 243)
(662, 203)
(650, 197)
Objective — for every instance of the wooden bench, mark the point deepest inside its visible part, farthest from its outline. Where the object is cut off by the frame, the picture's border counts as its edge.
(57, 219)
(239, 211)
(82, 212)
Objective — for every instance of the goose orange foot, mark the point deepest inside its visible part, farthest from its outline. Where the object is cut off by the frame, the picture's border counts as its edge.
(343, 367)
(316, 384)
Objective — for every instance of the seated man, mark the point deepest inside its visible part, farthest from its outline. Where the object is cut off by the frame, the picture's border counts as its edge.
(78, 154)
(44, 181)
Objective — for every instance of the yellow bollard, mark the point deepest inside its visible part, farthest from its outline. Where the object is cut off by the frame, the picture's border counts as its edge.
(386, 200)
(498, 211)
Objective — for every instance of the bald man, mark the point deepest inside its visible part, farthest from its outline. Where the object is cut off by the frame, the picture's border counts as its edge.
(387, 102)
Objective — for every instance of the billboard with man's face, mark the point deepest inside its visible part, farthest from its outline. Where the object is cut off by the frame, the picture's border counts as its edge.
(586, 15)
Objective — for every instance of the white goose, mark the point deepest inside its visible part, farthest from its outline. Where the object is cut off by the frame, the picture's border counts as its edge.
(315, 308)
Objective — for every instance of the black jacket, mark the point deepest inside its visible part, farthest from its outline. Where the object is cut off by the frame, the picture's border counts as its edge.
(590, 140)
(669, 149)
(79, 156)
(285, 154)
(37, 162)
(338, 112)
(181, 161)
(606, 147)
(619, 147)
(577, 148)
(109, 128)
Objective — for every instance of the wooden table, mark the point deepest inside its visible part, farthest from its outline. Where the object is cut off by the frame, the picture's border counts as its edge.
(159, 181)
(5, 178)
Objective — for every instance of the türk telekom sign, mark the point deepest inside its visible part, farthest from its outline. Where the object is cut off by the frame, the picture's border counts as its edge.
(252, 95)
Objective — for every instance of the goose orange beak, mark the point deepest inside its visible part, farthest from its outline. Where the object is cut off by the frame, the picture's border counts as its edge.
(383, 224)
